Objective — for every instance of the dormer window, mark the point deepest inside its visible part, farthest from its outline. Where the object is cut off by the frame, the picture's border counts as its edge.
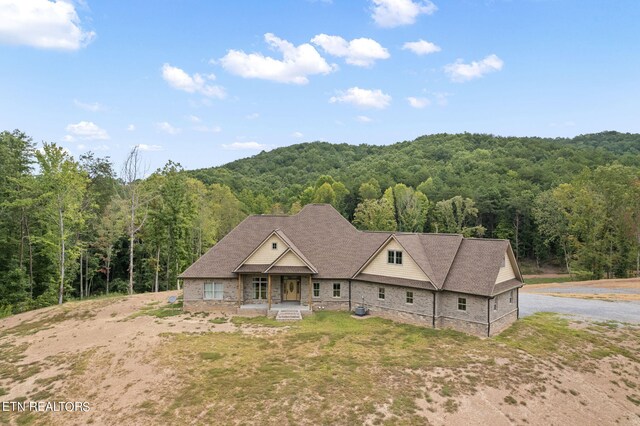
(274, 246)
(395, 257)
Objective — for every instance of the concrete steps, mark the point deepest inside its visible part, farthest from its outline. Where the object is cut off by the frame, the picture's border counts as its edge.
(289, 315)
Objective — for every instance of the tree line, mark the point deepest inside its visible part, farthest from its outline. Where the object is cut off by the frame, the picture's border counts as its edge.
(72, 228)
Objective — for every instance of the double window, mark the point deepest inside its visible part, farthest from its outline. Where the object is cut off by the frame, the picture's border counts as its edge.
(260, 288)
(336, 289)
(381, 293)
(409, 298)
(316, 289)
(394, 256)
(274, 246)
(213, 291)
(462, 303)
(511, 296)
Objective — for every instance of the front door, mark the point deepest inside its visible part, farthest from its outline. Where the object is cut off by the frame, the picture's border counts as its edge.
(291, 290)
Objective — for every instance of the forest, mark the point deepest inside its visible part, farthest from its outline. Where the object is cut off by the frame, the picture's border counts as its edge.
(73, 228)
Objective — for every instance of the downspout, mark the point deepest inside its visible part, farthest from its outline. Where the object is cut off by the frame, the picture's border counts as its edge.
(349, 295)
(518, 303)
(433, 317)
(489, 317)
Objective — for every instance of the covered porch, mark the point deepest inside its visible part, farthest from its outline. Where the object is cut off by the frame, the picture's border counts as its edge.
(273, 291)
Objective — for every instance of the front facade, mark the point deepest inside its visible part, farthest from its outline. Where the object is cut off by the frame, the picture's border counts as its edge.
(316, 260)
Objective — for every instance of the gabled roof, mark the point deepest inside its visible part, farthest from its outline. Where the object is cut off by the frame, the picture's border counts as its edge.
(331, 247)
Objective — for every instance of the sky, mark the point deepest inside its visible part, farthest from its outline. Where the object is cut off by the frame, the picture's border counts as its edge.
(206, 82)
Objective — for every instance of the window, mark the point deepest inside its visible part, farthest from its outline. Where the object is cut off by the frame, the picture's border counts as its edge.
(381, 293)
(495, 304)
(260, 288)
(394, 256)
(410, 298)
(316, 289)
(336, 289)
(462, 303)
(504, 262)
(274, 246)
(511, 296)
(213, 291)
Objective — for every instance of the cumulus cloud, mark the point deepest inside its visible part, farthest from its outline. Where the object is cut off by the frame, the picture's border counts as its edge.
(364, 119)
(363, 98)
(418, 102)
(394, 13)
(88, 106)
(167, 128)
(460, 72)
(86, 130)
(362, 52)
(297, 63)
(131, 127)
(296, 135)
(145, 147)
(42, 23)
(196, 83)
(249, 146)
(421, 47)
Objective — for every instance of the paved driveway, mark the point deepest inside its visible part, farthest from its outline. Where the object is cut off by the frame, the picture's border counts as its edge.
(600, 310)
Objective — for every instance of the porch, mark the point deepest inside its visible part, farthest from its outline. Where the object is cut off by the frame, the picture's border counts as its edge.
(260, 293)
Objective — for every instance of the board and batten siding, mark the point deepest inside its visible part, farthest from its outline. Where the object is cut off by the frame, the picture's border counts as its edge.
(506, 272)
(265, 255)
(290, 259)
(408, 269)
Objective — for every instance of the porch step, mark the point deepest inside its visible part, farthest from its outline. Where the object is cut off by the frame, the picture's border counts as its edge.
(289, 315)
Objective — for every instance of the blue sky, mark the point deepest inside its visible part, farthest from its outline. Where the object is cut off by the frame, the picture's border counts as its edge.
(207, 82)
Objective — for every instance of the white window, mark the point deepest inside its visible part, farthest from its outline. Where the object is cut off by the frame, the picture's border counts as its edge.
(381, 293)
(213, 291)
(394, 256)
(316, 289)
(260, 288)
(511, 296)
(336, 289)
(274, 246)
(409, 298)
(462, 303)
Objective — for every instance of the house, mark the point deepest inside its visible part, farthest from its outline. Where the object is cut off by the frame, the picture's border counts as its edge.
(317, 260)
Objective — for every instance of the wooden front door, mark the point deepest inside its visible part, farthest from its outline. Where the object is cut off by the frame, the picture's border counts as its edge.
(291, 290)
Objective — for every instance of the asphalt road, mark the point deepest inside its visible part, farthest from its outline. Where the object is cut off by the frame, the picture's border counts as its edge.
(591, 309)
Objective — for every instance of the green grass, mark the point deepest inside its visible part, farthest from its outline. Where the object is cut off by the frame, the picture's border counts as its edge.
(564, 279)
(169, 310)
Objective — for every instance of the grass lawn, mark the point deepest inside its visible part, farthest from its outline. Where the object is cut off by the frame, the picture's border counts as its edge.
(548, 280)
(334, 369)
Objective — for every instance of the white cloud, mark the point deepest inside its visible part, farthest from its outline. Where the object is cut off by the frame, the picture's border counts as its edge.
(393, 13)
(85, 130)
(253, 146)
(167, 128)
(460, 72)
(252, 116)
(43, 24)
(131, 127)
(194, 118)
(364, 119)
(196, 83)
(421, 47)
(362, 52)
(363, 98)
(93, 107)
(418, 102)
(297, 63)
(145, 147)
(297, 135)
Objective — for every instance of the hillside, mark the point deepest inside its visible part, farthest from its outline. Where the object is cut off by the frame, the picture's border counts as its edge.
(459, 163)
(135, 360)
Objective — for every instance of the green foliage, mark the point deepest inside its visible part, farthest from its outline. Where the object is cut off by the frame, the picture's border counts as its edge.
(375, 215)
(458, 215)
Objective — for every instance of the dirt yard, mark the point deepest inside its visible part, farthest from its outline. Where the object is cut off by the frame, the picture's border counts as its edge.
(138, 361)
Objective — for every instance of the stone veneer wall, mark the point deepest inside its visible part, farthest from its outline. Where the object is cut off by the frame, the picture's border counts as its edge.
(193, 291)
(326, 301)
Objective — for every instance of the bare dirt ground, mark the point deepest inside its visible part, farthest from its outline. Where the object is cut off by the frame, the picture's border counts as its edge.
(615, 289)
(100, 351)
